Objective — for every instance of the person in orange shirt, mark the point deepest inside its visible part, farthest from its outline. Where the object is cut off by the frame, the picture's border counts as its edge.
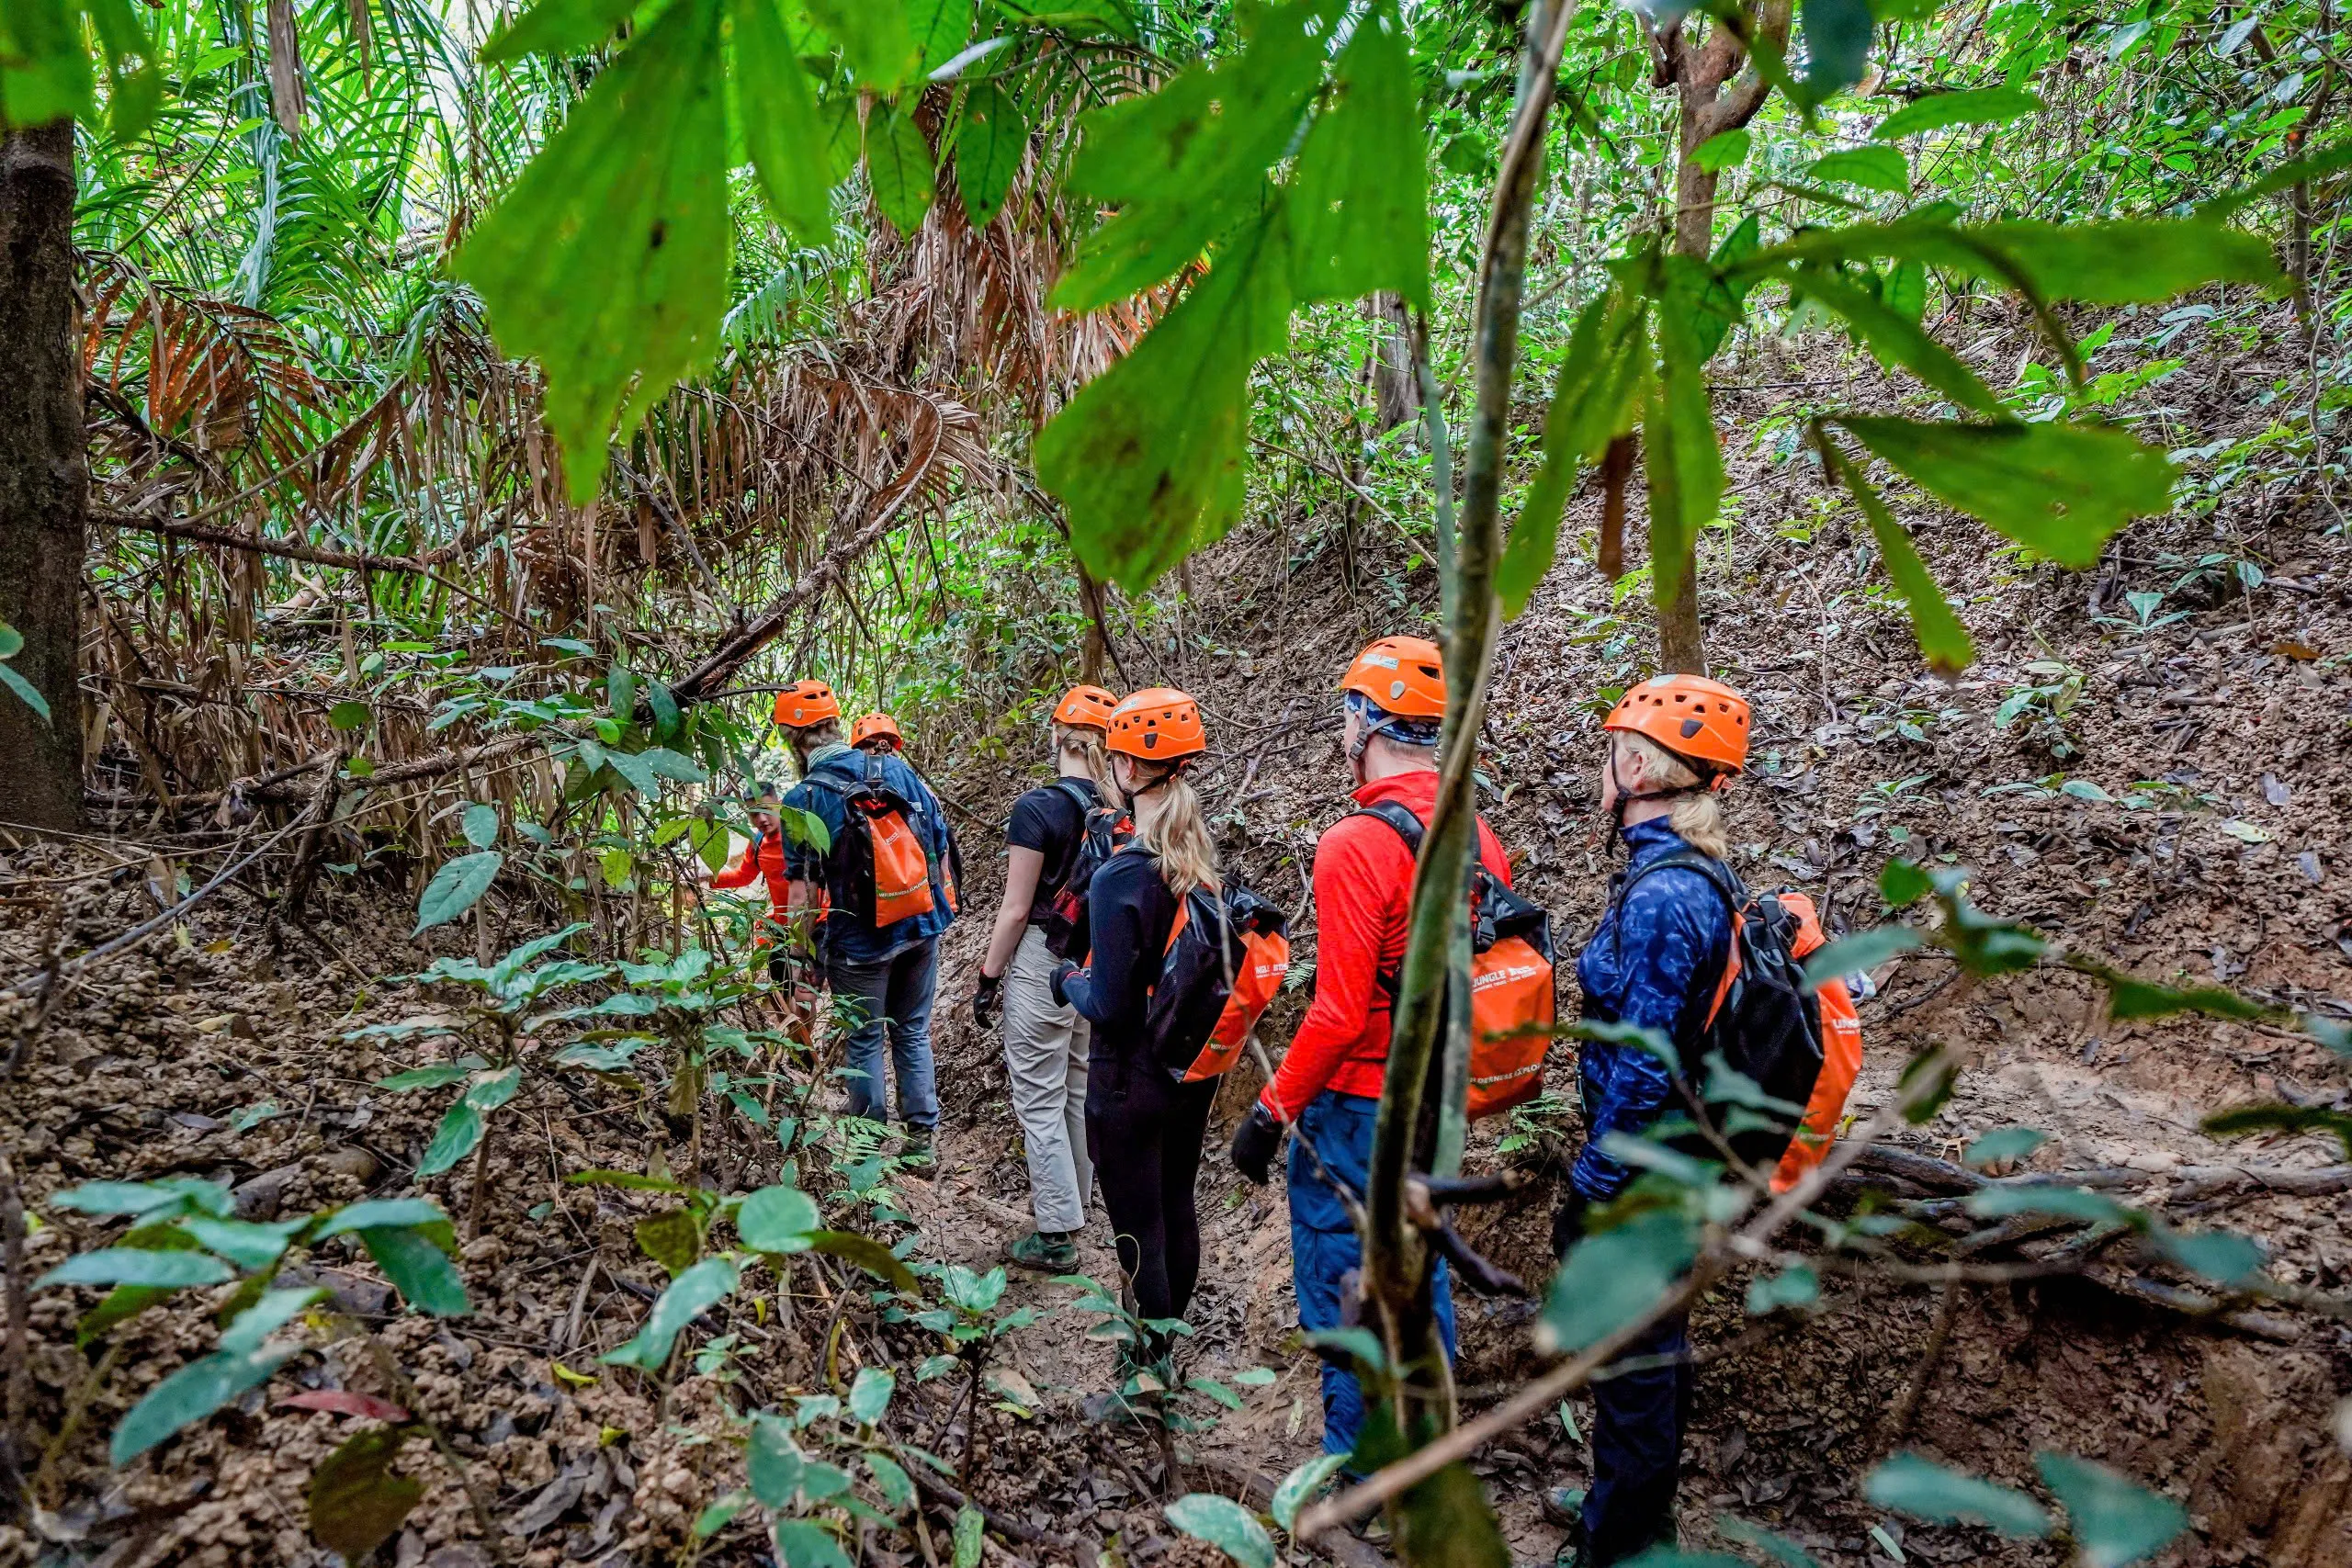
(772, 933)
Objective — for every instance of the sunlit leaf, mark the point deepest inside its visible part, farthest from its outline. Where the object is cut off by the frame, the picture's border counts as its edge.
(1971, 106)
(1877, 168)
(1223, 1524)
(557, 27)
(1598, 377)
(881, 47)
(1361, 187)
(704, 1285)
(869, 1393)
(1724, 149)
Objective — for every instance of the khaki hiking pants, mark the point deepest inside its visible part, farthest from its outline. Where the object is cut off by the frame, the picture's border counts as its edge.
(1045, 1056)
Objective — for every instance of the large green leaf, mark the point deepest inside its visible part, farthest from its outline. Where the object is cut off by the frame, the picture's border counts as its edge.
(1446, 1522)
(1147, 457)
(460, 1130)
(557, 27)
(2113, 1520)
(248, 1246)
(355, 1501)
(418, 1268)
(1359, 203)
(869, 1394)
(1924, 1489)
(455, 887)
(2058, 488)
(1613, 1278)
(704, 1285)
(1187, 164)
(940, 27)
(800, 1544)
(1877, 168)
(608, 260)
(379, 1213)
(137, 1266)
(1837, 44)
(778, 1220)
(881, 48)
(1971, 106)
(898, 166)
(190, 1394)
(46, 76)
(178, 1194)
(1681, 456)
(1895, 338)
(2131, 261)
(988, 149)
(1940, 636)
(26, 692)
(778, 113)
(1223, 1524)
(1302, 1483)
(1600, 377)
(866, 1253)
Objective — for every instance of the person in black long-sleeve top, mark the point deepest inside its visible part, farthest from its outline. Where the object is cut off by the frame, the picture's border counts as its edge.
(1144, 1128)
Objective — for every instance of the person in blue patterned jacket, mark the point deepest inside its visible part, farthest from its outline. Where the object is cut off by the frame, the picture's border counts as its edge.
(1658, 959)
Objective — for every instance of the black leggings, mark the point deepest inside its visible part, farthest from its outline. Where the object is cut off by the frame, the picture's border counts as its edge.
(1144, 1135)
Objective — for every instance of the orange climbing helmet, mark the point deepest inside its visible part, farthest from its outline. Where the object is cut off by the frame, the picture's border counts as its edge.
(1399, 675)
(876, 727)
(1700, 720)
(1088, 706)
(1158, 725)
(805, 703)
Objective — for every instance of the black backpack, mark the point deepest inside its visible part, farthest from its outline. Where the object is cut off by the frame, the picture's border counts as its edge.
(1103, 830)
(1227, 953)
(1762, 1023)
(866, 887)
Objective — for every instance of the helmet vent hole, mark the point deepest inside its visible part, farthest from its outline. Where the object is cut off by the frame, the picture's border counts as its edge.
(1691, 727)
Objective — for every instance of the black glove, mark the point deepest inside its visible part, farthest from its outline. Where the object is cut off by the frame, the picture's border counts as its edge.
(1062, 972)
(1255, 1142)
(988, 998)
(1568, 1225)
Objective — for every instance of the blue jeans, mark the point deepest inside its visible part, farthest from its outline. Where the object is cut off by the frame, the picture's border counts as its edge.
(890, 1000)
(1638, 1419)
(1325, 1249)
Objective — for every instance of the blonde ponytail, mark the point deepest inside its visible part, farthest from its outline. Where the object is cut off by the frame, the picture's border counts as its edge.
(1084, 743)
(1697, 819)
(1172, 827)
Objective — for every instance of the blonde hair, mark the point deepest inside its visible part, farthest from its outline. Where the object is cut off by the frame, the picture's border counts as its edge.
(1174, 831)
(1697, 819)
(1084, 742)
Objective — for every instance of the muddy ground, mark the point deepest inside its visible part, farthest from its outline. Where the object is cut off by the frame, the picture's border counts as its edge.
(2203, 842)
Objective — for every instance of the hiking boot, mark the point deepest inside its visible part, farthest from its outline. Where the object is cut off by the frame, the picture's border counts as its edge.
(1048, 1254)
(1564, 1506)
(916, 1151)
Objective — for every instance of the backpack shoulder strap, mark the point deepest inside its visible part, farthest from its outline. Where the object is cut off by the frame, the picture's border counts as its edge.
(1399, 816)
(1718, 876)
(1083, 799)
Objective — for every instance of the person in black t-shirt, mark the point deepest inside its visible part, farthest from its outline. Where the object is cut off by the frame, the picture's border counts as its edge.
(1045, 1040)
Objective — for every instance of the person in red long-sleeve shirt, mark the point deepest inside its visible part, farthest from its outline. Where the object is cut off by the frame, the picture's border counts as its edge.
(765, 859)
(1329, 1084)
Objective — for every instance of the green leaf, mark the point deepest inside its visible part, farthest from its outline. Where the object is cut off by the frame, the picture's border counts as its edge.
(2131, 262)
(2004, 1143)
(481, 823)
(2282, 1119)
(608, 260)
(704, 1285)
(557, 26)
(897, 164)
(1942, 641)
(1682, 458)
(1836, 45)
(2223, 1256)
(2286, 176)
(799, 1544)
(1924, 1489)
(346, 716)
(143, 1197)
(1724, 149)
(1971, 106)
(777, 1220)
(1147, 457)
(355, 1501)
(636, 772)
(1592, 405)
(271, 1312)
(880, 47)
(940, 27)
(2113, 1520)
(2131, 997)
(455, 887)
(2058, 488)
(1896, 340)
(659, 697)
(47, 72)
(1780, 1548)
(785, 137)
(968, 1527)
(249, 1246)
(460, 1130)
(12, 641)
(24, 692)
(1446, 1522)
(1875, 168)
(136, 1266)
(989, 150)
(1301, 1485)
(773, 1462)
(418, 1269)
(2061, 1202)
(1223, 1524)
(891, 1480)
(190, 1394)
(1795, 1286)
(379, 1213)
(1901, 883)
(866, 1253)
(673, 1239)
(1611, 1278)
(869, 1394)
(1361, 184)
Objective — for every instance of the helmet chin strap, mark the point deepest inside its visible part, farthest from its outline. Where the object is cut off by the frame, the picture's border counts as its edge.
(1626, 796)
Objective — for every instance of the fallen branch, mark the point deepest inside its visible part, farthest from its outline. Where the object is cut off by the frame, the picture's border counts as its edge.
(286, 549)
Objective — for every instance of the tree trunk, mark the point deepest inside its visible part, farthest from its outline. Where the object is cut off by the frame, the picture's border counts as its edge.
(44, 479)
(1396, 394)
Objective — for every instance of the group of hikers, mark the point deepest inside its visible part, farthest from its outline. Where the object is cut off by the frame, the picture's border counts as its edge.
(1112, 877)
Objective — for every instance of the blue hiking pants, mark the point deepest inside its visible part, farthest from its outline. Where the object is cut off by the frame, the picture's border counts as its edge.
(1638, 1420)
(1325, 1249)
